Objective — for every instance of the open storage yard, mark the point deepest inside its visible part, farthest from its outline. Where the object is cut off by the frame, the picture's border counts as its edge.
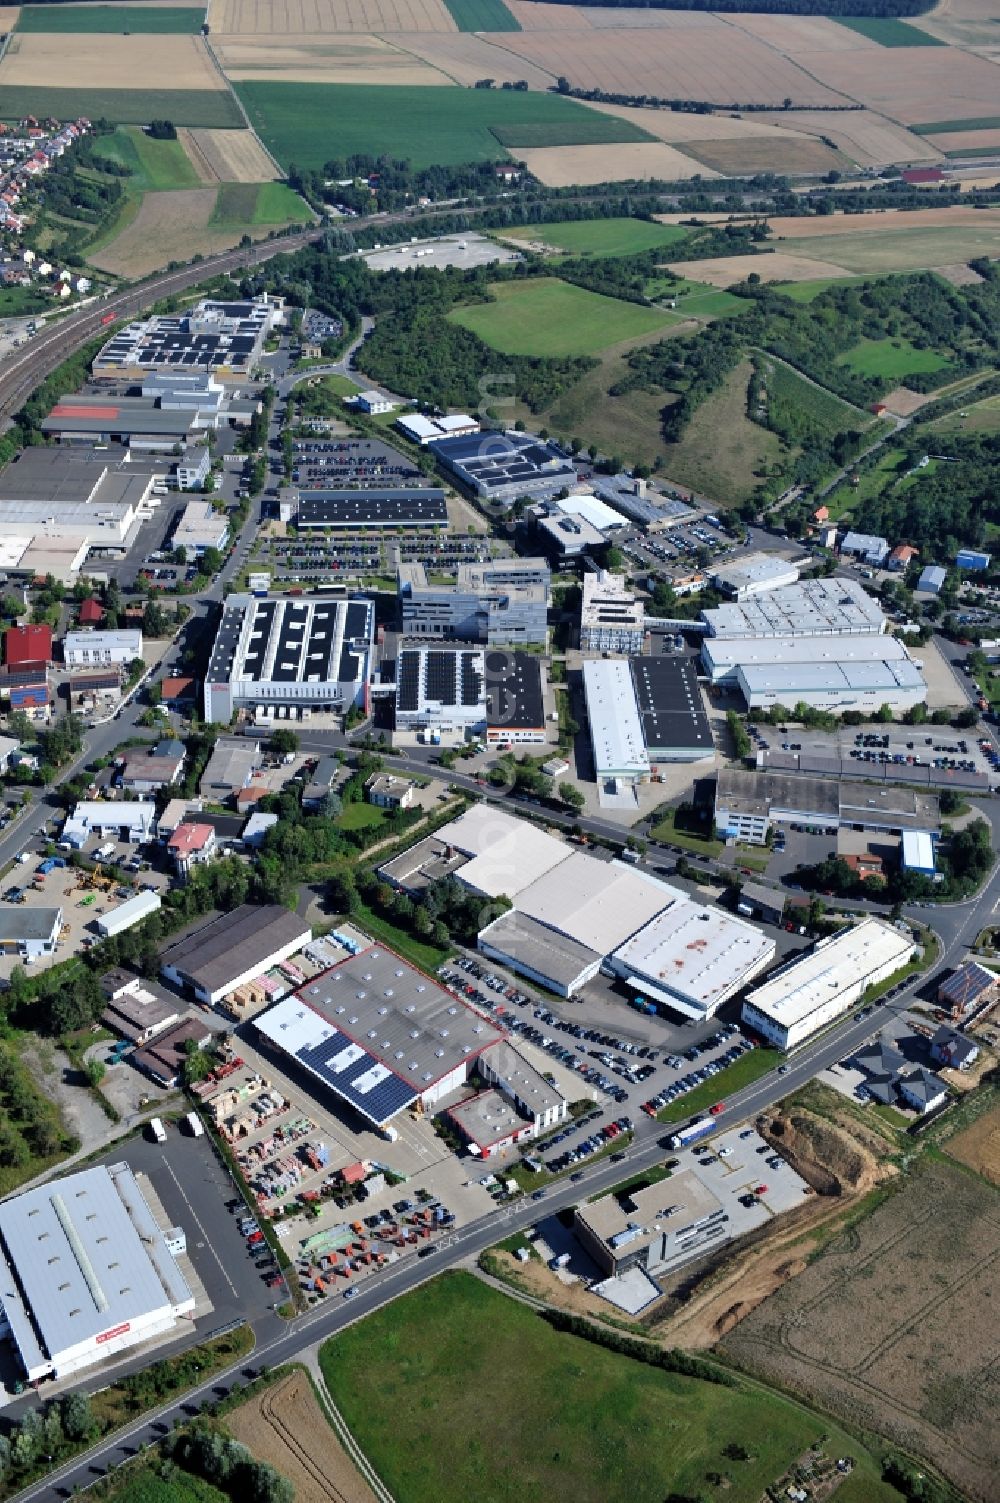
(891, 1327)
(283, 1424)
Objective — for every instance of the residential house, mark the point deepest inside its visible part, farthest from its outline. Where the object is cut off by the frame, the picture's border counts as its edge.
(388, 792)
(969, 989)
(953, 1050)
(923, 1091)
(147, 771)
(191, 844)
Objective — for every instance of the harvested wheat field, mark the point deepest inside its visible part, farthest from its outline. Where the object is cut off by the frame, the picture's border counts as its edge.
(106, 61)
(228, 156)
(285, 1426)
(875, 221)
(541, 17)
(963, 23)
(796, 36)
(171, 226)
(677, 127)
(711, 61)
(890, 1327)
(753, 154)
(914, 85)
(979, 1146)
(326, 17)
(723, 271)
(465, 57)
(967, 140)
(567, 166)
(868, 139)
(959, 275)
(301, 58)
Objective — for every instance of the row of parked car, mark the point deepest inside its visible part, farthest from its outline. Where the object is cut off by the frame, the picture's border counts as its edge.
(696, 1077)
(263, 1257)
(592, 1144)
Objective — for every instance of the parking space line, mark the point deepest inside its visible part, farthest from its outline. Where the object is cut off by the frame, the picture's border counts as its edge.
(197, 1222)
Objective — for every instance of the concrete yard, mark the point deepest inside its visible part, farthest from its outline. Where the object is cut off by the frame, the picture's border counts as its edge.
(466, 250)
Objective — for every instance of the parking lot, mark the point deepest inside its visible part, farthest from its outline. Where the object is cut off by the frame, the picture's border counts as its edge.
(934, 746)
(332, 463)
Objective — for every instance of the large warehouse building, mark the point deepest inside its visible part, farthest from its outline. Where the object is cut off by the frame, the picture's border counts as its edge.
(224, 340)
(457, 694)
(747, 804)
(828, 673)
(810, 608)
(85, 1273)
(643, 713)
(289, 657)
(231, 949)
(813, 989)
(754, 574)
(505, 467)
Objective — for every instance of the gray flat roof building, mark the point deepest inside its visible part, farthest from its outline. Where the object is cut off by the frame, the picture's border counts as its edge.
(675, 725)
(505, 467)
(810, 608)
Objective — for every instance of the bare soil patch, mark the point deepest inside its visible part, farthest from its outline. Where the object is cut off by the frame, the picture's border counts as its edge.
(170, 227)
(105, 61)
(564, 166)
(868, 139)
(723, 271)
(285, 1426)
(889, 1327)
(754, 154)
(915, 86)
(711, 61)
(321, 58)
(466, 57)
(231, 156)
(8, 17)
(327, 17)
(979, 1146)
(680, 126)
(904, 402)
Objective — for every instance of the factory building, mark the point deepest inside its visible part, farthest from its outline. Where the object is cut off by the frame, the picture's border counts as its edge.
(616, 737)
(812, 989)
(85, 1273)
(200, 526)
(421, 430)
(356, 510)
(220, 340)
(748, 804)
(283, 657)
(612, 617)
(754, 574)
(866, 547)
(810, 608)
(101, 649)
(231, 949)
(503, 603)
(675, 727)
(828, 673)
(505, 467)
(447, 693)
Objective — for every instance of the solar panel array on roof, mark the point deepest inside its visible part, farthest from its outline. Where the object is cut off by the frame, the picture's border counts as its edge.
(372, 508)
(356, 625)
(439, 677)
(364, 1081)
(260, 636)
(514, 691)
(670, 704)
(408, 695)
(472, 682)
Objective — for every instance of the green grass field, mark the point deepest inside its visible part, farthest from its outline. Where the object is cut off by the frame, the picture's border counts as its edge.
(543, 316)
(259, 203)
(211, 108)
(888, 32)
(891, 359)
(721, 453)
(155, 165)
(457, 1391)
(979, 417)
(806, 292)
(917, 248)
(602, 237)
(359, 817)
(481, 15)
(307, 123)
(747, 1069)
(570, 132)
(831, 415)
(974, 122)
(112, 18)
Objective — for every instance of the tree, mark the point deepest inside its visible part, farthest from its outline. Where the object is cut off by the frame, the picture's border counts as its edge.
(96, 1071)
(571, 797)
(283, 742)
(966, 719)
(180, 555)
(20, 726)
(210, 562)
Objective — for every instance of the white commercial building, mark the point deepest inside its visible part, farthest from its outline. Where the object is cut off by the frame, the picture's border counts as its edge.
(616, 737)
(612, 617)
(811, 608)
(873, 550)
(422, 430)
(837, 673)
(813, 989)
(691, 959)
(133, 823)
(132, 911)
(101, 649)
(85, 1273)
(753, 574)
(374, 401)
(201, 527)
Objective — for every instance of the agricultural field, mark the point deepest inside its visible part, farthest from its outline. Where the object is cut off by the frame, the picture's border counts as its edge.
(569, 166)
(866, 138)
(212, 108)
(243, 204)
(465, 57)
(177, 226)
(135, 19)
(154, 164)
(306, 123)
(481, 15)
(925, 83)
(284, 1425)
(753, 154)
(978, 1146)
(543, 316)
(323, 59)
(888, 1327)
(970, 123)
(227, 156)
(570, 130)
(292, 17)
(887, 31)
(828, 412)
(779, 266)
(891, 359)
(600, 237)
(620, 1429)
(166, 64)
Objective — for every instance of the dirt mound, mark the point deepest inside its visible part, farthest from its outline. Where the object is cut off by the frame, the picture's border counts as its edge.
(824, 1154)
(792, 1268)
(731, 1318)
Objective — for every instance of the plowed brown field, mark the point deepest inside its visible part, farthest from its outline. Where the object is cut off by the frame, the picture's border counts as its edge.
(979, 1146)
(285, 1426)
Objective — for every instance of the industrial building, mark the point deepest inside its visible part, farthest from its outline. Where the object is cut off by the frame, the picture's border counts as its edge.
(162, 1058)
(565, 537)
(421, 430)
(813, 989)
(969, 989)
(917, 853)
(29, 932)
(932, 579)
(863, 545)
(137, 1009)
(200, 526)
(754, 574)
(460, 693)
(230, 768)
(505, 467)
(356, 510)
(101, 649)
(811, 608)
(829, 673)
(612, 617)
(85, 1273)
(231, 949)
(502, 602)
(126, 914)
(223, 340)
(675, 726)
(380, 1035)
(747, 804)
(118, 820)
(616, 737)
(284, 657)
(148, 769)
(170, 410)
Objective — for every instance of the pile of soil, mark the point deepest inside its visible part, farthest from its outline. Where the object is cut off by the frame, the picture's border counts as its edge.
(827, 1157)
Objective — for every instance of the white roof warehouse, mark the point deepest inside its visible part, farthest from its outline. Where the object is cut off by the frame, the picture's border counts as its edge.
(85, 1272)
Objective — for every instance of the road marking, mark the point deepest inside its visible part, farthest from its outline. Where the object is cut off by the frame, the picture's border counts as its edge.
(194, 1217)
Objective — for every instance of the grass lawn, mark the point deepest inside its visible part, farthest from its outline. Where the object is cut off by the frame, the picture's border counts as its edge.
(427, 956)
(721, 452)
(307, 123)
(458, 1392)
(114, 18)
(359, 817)
(212, 108)
(543, 316)
(979, 417)
(18, 300)
(155, 165)
(888, 32)
(481, 15)
(805, 292)
(747, 1069)
(259, 203)
(602, 237)
(687, 836)
(892, 359)
(885, 472)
